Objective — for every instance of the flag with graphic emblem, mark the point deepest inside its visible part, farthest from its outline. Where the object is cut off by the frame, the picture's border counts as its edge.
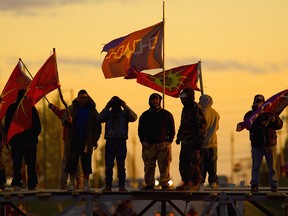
(176, 79)
(275, 104)
(17, 80)
(45, 81)
(138, 51)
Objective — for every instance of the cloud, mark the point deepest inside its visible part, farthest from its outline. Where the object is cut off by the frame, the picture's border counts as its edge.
(16, 5)
(212, 65)
(27, 6)
(80, 61)
(208, 65)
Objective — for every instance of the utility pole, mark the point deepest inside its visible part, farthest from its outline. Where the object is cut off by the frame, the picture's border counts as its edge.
(232, 156)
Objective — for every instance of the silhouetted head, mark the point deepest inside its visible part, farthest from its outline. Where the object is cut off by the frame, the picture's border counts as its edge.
(155, 101)
(187, 96)
(258, 101)
(83, 98)
(115, 103)
(205, 100)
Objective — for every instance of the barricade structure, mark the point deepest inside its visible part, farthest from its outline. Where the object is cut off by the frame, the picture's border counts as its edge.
(221, 197)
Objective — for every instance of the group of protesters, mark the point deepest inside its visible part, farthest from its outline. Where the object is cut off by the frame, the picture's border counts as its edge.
(82, 128)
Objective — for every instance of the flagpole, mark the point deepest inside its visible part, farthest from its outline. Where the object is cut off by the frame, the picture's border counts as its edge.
(201, 78)
(31, 76)
(60, 91)
(163, 54)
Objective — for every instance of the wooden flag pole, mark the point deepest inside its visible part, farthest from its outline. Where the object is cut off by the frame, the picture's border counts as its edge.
(31, 76)
(201, 78)
(163, 54)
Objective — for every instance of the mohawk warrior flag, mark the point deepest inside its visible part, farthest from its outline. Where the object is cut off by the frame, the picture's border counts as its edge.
(45, 81)
(275, 104)
(17, 80)
(140, 50)
(176, 79)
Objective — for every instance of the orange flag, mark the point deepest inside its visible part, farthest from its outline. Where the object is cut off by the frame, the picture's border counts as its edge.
(140, 50)
(176, 79)
(17, 80)
(45, 81)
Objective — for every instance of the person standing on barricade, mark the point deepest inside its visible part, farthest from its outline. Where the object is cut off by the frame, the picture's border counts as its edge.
(156, 131)
(191, 135)
(82, 136)
(116, 116)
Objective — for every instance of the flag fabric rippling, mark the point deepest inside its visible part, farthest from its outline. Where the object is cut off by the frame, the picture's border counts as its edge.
(45, 81)
(17, 80)
(140, 50)
(275, 104)
(176, 79)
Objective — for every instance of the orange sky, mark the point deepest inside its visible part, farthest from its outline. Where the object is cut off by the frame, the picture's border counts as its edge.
(243, 48)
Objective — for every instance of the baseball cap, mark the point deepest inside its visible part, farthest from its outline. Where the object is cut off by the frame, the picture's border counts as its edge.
(259, 98)
(183, 95)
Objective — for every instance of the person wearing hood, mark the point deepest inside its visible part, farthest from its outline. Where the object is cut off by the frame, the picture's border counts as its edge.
(263, 139)
(116, 116)
(191, 135)
(156, 131)
(209, 149)
(83, 133)
(23, 146)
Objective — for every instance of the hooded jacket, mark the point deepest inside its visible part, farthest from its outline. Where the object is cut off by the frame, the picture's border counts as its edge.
(212, 121)
(156, 125)
(192, 130)
(117, 122)
(93, 128)
(261, 134)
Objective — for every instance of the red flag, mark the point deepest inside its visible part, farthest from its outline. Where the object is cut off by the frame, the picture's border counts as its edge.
(140, 50)
(176, 79)
(45, 81)
(17, 80)
(275, 104)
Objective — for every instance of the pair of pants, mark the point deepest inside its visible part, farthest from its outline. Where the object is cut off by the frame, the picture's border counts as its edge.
(270, 155)
(190, 165)
(29, 155)
(160, 153)
(209, 166)
(64, 175)
(73, 162)
(115, 149)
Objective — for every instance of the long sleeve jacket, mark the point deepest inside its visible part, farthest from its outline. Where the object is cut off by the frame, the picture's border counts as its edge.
(263, 130)
(192, 130)
(93, 127)
(156, 126)
(116, 122)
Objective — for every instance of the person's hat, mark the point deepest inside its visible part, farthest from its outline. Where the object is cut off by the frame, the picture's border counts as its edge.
(187, 92)
(154, 95)
(183, 95)
(259, 98)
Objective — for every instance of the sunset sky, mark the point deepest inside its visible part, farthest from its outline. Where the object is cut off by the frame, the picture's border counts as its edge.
(242, 45)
